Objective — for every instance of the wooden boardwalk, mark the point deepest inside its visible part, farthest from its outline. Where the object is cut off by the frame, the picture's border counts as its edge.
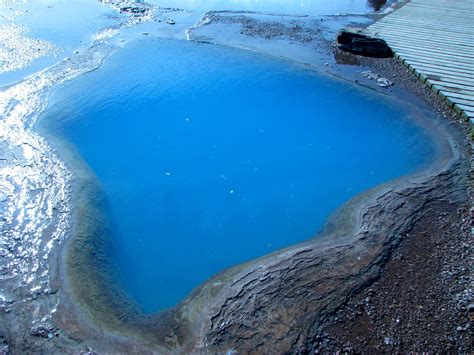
(435, 39)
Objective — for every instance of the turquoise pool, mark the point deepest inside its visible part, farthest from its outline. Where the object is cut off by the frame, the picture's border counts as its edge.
(210, 156)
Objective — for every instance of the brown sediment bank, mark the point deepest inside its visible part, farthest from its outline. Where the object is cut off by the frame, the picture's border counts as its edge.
(308, 297)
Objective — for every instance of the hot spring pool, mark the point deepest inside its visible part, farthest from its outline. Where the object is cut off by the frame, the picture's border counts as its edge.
(211, 156)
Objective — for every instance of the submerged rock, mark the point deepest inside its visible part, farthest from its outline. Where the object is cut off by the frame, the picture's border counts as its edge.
(357, 42)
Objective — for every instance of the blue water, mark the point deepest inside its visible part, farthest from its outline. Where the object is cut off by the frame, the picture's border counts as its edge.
(311, 7)
(67, 24)
(211, 156)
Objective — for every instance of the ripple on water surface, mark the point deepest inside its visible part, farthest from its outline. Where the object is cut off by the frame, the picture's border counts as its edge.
(211, 156)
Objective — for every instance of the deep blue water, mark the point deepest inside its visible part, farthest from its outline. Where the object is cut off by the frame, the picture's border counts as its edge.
(211, 156)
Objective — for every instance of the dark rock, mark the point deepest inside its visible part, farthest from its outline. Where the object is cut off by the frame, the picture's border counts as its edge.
(356, 42)
(133, 10)
(376, 4)
(42, 329)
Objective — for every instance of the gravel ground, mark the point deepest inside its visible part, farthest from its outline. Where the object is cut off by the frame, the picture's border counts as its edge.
(423, 301)
(405, 82)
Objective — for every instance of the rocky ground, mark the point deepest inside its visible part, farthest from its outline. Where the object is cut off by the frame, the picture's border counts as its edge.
(423, 300)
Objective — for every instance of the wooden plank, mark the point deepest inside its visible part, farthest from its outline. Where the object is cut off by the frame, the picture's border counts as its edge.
(416, 39)
(458, 41)
(440, 63)
(465, 108)
(447, 90)
(433, 27)
(440, 8)
(421, 36)
(435, 40)
(430, 47)
(404, 25)
(424, 43)
(440, 85)
(433, 19)
(410, 22)
(439, 55)
(449, 80)
(446, 79)
(434, 70)
(433, 32)
(451, 67)
(438, 74)
(458, 52)
(430, 59)
(456, 95)
(467, 103)
(438, 13)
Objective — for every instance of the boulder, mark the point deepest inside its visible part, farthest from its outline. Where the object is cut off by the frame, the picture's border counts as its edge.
(358, 42)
